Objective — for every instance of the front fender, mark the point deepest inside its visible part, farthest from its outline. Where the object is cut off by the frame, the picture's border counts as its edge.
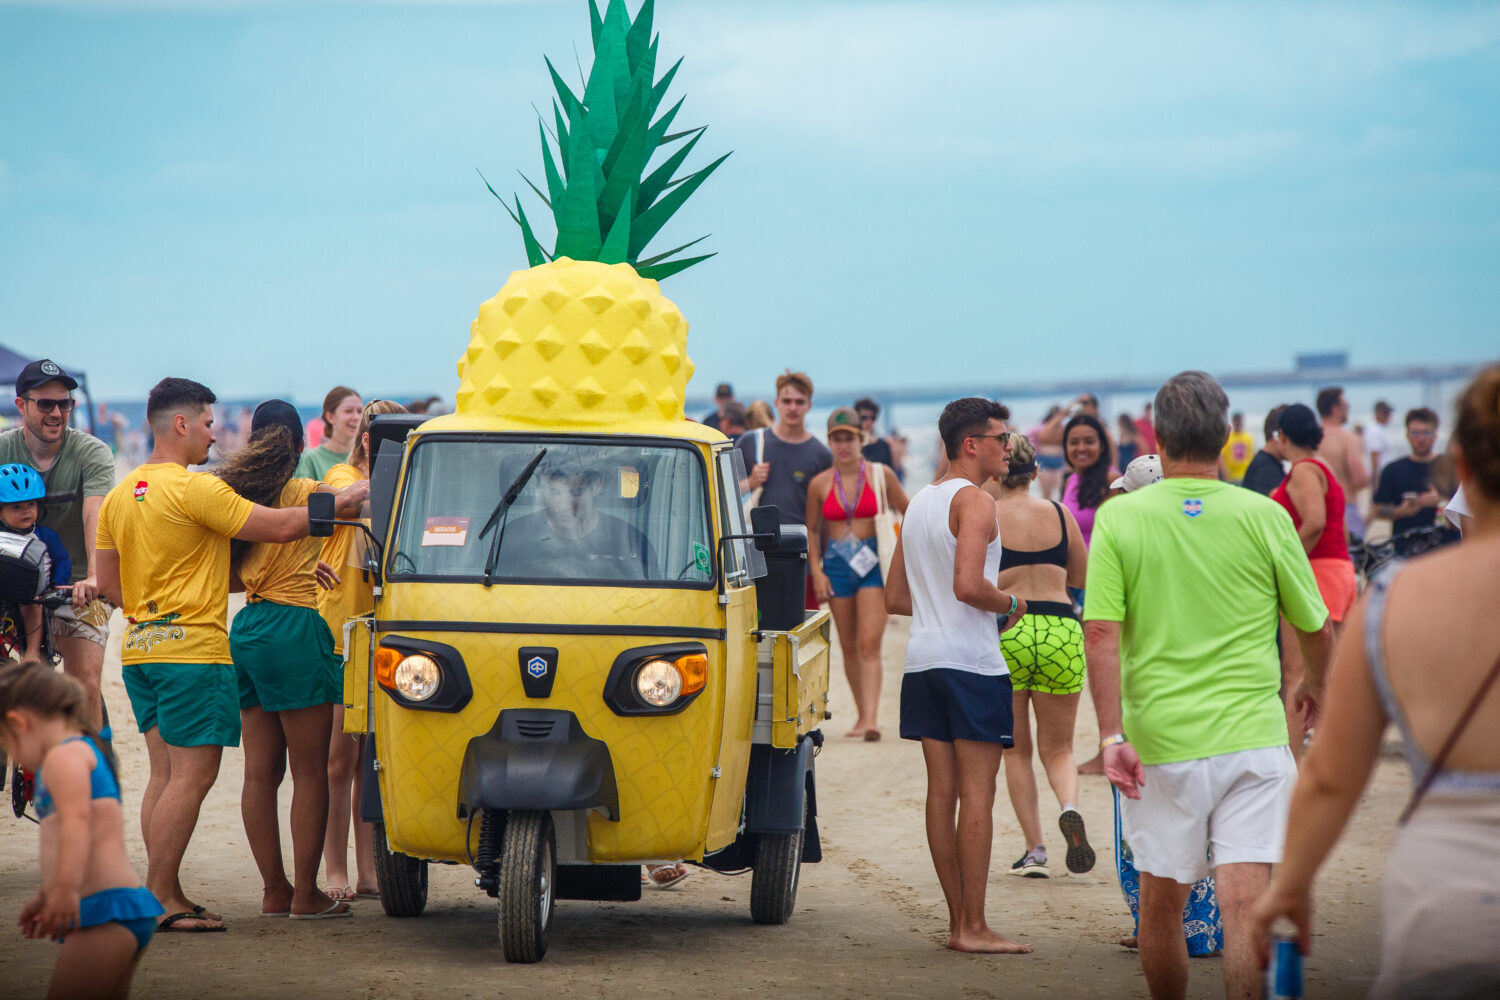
(537, 759)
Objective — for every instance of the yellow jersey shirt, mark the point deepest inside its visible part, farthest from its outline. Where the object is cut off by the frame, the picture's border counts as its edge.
(171, 528)
(283, 572)
(354, 595)
(1237, 453)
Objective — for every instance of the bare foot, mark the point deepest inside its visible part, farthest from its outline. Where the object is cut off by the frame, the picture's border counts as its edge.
(277, 900)
(1094, 765)
(339, 891)
(987, 942)
(317, 902)
(1127, 942)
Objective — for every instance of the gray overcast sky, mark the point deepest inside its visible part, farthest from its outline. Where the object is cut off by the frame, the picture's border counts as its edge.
(274, 197)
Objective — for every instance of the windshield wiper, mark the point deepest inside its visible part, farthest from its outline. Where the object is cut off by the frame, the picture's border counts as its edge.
(498, 514)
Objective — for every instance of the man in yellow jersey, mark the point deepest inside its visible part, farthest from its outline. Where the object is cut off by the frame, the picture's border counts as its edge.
(1235, 456)
(163, 557)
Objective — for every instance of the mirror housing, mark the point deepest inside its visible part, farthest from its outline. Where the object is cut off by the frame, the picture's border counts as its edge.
(320, 514)
(765, 523)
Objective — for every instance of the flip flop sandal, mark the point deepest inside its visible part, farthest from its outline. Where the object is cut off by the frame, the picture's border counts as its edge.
(170, 925)
(677, 875)
(367, 894)
(333, 912)
(872, 736)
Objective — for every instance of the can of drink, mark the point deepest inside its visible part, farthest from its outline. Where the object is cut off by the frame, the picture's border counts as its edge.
(1284, 973)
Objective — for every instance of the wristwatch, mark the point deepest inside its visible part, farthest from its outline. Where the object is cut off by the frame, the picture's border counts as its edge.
(1112, 741)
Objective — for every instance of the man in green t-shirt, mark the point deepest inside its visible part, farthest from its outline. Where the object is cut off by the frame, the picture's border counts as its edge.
(1185, 585)
(77, 470)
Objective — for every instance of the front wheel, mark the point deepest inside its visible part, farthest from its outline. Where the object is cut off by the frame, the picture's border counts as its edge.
(528, 869)
(773, 884)
(402, 878)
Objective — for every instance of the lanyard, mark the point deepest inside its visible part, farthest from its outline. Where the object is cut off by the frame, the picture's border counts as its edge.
(859, 492)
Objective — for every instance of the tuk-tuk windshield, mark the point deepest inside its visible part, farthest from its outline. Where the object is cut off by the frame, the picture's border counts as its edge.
(590, 513)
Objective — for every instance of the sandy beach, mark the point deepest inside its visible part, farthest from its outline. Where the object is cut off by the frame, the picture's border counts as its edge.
(870, 919)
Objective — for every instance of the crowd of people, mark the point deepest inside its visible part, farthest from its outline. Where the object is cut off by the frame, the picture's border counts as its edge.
(1202, 589)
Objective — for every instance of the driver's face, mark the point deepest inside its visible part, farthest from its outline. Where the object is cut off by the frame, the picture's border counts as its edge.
(569, 500)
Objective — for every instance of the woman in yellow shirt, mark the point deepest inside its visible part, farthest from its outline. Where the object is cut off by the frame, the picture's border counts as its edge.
(353, 595)
(289, 677)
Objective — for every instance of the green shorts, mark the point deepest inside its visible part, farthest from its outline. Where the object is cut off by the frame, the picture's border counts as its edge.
(191, 704)
(1045, 653)
(284, 658)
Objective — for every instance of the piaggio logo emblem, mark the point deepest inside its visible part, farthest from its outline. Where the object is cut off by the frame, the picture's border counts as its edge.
(140, 491)
(536, 666)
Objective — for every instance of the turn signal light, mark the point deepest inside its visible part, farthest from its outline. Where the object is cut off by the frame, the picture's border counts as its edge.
(386, 661)
(694, 671)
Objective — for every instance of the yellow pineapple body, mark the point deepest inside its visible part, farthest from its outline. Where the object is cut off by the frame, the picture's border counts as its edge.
(576, 344)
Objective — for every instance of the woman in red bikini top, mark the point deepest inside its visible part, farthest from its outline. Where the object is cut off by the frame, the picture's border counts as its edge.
(1312, 495)
(844, 563)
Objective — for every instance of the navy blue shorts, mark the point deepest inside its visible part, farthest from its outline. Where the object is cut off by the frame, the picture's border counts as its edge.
(947, 705)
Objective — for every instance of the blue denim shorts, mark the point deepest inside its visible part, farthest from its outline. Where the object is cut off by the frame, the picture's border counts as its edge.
(842, 576)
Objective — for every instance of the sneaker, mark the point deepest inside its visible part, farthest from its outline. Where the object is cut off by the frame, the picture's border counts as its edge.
(1029, 866)
(1080, 855)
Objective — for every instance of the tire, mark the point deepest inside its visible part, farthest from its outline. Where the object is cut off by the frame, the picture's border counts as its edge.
(402, 879)
(773, 883)
(528, 873)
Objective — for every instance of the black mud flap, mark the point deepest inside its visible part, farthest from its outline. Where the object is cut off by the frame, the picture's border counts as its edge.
(780, 790)
(370, 809)
(612, 883)
(537, 759)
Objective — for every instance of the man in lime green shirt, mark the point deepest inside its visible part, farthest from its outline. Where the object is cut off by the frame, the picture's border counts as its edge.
(1186, 581)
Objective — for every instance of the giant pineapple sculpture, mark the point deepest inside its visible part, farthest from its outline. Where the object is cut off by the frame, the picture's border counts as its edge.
(585, 337)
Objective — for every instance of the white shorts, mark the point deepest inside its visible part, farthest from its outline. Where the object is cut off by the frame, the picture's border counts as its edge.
(1234, 804)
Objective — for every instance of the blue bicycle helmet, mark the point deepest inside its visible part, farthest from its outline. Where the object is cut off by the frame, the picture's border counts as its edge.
(19, 483)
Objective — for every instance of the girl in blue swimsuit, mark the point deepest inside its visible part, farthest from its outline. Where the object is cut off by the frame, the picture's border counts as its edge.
(91, 899)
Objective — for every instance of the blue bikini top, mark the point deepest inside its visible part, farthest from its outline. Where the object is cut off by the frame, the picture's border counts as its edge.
(102, 783)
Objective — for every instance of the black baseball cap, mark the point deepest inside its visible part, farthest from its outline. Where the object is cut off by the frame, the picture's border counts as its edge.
(274, 412)
(724, 391)
(40, 373)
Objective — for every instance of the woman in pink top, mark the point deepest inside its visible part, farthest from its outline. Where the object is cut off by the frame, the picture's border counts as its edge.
(1086, 446)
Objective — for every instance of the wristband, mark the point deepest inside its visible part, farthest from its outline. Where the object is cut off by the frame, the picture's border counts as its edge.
(1012, 606)
(1112, 741)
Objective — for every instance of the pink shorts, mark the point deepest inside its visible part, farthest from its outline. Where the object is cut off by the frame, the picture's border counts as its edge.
(1337, 585)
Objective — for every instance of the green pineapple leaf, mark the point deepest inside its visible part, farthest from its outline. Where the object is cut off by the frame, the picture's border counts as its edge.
(606, 200)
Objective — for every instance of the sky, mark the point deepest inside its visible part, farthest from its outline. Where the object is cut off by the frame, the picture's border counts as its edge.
(276, 197)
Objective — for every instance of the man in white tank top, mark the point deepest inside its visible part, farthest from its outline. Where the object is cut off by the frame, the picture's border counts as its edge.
(955, 695)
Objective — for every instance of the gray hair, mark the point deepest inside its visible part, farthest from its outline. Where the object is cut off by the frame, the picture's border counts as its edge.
(1190, 418)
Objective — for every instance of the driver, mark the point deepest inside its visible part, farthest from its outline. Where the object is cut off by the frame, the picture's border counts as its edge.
(570, 538)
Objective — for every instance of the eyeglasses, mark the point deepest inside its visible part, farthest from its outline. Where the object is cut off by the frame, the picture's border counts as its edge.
(998, 437)
(48, 405)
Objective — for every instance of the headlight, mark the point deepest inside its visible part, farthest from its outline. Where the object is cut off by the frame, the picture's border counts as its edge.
(658, 683)
(417, 677)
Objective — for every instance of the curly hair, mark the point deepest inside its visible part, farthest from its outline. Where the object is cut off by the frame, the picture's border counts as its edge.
(1093, 481)
(1477, 432)
(1023, 457)
(259, 471)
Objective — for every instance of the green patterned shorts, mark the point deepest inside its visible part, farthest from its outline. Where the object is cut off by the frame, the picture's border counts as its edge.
(1045, 653)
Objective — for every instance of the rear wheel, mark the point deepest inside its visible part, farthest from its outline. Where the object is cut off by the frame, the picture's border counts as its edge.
(773, 884)
(402, 879)
(528, 871)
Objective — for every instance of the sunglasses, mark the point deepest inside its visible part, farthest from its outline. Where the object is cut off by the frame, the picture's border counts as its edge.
(48, 405)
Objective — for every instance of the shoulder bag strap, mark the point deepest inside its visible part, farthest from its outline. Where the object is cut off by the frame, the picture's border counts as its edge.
(877, 477)
(1442, 755)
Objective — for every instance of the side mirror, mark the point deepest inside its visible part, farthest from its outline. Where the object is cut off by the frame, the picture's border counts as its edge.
(765, 522)
(320, 514)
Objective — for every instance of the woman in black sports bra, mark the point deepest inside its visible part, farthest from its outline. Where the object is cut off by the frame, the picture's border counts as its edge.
(1042, 554)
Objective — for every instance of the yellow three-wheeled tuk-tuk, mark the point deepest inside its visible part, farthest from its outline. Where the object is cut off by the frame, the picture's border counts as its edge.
(581, 660)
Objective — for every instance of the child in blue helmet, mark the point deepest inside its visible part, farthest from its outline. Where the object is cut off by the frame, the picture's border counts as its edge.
(21, 493)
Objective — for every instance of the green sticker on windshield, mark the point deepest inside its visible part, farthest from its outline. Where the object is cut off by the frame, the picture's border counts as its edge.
(700, 557)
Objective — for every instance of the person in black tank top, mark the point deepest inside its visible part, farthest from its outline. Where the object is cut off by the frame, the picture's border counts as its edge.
(1045, 656)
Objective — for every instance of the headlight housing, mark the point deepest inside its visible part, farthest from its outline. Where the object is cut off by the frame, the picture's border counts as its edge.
(422, 673)
(656, 680)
